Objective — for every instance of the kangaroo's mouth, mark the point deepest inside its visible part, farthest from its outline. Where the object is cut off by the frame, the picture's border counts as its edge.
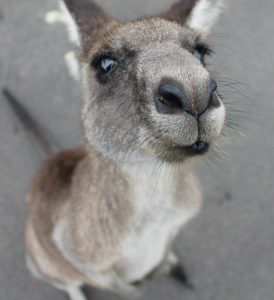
(198, 148)
(180, 153)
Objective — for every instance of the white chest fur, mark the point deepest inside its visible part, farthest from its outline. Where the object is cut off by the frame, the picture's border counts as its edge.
(155, 223)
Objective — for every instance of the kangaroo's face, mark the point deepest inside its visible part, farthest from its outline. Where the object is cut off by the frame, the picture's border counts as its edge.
(148, 92)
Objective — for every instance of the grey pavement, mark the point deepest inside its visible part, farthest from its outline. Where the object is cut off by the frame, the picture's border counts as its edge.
(228, 249)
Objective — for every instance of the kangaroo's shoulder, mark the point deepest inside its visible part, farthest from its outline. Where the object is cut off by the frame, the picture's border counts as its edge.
(57, 172)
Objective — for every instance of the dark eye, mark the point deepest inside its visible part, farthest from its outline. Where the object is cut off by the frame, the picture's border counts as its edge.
(107, 64)
(200, 51)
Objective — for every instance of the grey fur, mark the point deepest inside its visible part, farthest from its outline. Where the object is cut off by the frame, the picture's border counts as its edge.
(101, 215)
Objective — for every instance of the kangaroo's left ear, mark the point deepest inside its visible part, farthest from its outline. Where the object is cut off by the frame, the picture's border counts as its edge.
(84, 18)
(200, 15)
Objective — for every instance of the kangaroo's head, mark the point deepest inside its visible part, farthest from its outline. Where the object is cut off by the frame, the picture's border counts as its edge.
(147, 90)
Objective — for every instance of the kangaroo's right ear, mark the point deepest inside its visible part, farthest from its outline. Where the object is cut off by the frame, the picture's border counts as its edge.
(200, 15)
(84, 19)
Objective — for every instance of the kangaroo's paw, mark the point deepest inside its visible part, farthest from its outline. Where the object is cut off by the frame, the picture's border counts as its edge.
(179, 273)
(76, 293)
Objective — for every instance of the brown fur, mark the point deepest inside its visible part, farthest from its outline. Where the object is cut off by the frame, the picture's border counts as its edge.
(88, 15)
(180, 11)
(47, 201)
(58, 192)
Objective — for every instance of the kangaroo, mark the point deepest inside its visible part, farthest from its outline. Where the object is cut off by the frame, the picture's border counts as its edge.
(106, 215)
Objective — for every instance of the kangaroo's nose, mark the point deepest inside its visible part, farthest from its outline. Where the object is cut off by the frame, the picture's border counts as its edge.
(171, 99)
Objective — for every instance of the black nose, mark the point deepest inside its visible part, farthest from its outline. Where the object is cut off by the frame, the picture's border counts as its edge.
(171, 99)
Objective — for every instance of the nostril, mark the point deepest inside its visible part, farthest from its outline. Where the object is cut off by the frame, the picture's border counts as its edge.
(213, 97)
(170, 95)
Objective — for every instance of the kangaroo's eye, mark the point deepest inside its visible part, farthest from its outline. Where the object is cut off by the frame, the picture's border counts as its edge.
(200, 51)
(106, 65)
(104, 62)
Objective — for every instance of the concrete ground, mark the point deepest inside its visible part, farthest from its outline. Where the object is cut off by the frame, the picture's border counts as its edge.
(229, 249)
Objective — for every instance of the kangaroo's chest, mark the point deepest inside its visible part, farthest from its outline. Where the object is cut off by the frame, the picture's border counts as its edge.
(155, 222)
(148, 241)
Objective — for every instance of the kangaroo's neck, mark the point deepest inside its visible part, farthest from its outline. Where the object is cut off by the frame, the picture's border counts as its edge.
(111, 197)
(131, 182)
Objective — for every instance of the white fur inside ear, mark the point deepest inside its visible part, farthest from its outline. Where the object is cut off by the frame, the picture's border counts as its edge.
(67, 19)
(204, 15)
(73, 65)
(63, 16)
(53, 17)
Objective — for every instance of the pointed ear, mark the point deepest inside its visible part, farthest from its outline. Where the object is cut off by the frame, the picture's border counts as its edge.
(200, 15)
(84, 19)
